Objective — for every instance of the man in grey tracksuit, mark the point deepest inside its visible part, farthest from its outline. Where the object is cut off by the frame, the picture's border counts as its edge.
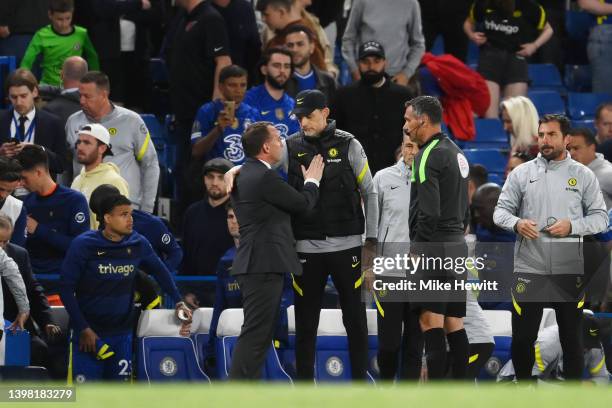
(551, 202)
(392, 191)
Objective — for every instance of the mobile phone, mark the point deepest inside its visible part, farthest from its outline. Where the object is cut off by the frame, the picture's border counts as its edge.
(230, 109)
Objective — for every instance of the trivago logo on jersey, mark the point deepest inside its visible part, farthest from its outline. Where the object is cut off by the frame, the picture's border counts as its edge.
(124, 270)
(504, 28)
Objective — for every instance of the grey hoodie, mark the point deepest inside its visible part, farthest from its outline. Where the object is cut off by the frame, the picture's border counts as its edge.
(541, 189)
(10, 273)
(603, 171)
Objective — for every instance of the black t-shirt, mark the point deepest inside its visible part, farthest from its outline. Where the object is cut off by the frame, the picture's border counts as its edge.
(508, 32)
(200, 37)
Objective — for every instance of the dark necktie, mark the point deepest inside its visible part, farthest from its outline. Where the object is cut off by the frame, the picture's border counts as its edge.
(22, 121)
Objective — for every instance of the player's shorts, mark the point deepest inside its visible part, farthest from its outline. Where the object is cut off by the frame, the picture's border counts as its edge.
(501, 66)
(85, 367)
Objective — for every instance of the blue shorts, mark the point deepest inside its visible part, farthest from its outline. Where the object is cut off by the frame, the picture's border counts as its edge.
(85, 367)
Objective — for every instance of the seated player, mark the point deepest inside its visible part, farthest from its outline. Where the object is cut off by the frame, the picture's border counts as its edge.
(97, 289)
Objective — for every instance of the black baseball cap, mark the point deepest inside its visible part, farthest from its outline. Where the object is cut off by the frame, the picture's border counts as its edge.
(590, 332)
(217, 164)
(308, 101)
(371, 48)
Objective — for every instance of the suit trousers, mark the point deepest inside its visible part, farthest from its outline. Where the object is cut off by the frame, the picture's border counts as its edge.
(261, 296)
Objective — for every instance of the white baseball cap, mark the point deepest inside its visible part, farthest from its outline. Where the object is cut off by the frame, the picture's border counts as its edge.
(99, 132)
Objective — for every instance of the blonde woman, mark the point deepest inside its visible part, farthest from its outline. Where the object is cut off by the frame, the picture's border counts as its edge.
(520, 119)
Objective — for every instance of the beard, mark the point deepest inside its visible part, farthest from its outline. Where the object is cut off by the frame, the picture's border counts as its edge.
(216, 194)
(552, 153)
(274, 83)
(86, 160)
(371, 77)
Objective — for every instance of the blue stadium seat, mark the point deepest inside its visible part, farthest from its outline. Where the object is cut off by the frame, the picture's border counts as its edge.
(578, 24)
(583, 105)
(545, 77)
(547, 102)
(473, 53)
(500, 322)
(155, 128)
(204, 316)
(493, 160)
(490, 133)
(497, 178)
(438, 46)
(16, 347)
(7, 65)
(332, 362)
(578, 78)
(587, 123)
(162, 354)
(228, 330)
(429, 83)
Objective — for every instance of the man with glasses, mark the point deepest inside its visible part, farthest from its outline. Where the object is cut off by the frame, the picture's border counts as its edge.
(552, 202)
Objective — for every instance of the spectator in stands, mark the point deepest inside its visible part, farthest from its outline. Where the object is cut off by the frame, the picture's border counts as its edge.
(58, 41)
(582, 147)
(507, 34)
(133, 150)
(394, 24)
(45, 328)
(372, 108)
(101, 18)
(56, 214)
(197, 53)
(603, 122)
(279, 15)
(270, 98)
(552, 51)
(301, 42)
(151, 227)
(244, 39)
(477, 177)
(23, 124)
(92, 146)
(19, 20)
(516, 160)
(205, 234)
(218, 126)
(10, 177)
(445, 18)
(599, 47)
(65, 100)
(9, 273)
(520, 119)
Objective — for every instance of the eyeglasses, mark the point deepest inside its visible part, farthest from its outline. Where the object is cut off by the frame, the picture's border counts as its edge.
(550, 221)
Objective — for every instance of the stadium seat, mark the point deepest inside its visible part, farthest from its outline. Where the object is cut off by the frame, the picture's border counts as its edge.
(500, 322)
(161, 353)
(578, 25)
(497, 178)
(204, 316)
(583, 105)
(473, 54)
(547, 102)
(545, 77)
(490, 133)
(332, 362)
(493, 160)
(438, 46)
(578, 78)
(549, 318)
(228, 330)
(7, 65)
(16, 347)
(587, 123)
(429, 83)
(155, 128)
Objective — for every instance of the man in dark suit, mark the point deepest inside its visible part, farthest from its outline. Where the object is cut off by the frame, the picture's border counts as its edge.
(263, 203)
(65, 101)
(24, 124)
(39, 306)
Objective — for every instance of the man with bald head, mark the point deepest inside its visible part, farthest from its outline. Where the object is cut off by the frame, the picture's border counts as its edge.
(65, 101)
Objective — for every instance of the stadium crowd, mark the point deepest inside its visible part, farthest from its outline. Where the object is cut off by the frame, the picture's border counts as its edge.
(301, 141)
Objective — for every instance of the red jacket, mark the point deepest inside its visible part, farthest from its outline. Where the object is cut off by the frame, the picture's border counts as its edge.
(465, 92)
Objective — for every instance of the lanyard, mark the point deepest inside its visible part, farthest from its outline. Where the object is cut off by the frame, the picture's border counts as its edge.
(28, 135)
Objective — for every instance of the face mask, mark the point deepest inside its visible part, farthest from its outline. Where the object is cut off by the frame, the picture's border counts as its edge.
(371, 77)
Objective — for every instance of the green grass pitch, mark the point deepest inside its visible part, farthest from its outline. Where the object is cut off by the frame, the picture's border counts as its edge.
(338, 396)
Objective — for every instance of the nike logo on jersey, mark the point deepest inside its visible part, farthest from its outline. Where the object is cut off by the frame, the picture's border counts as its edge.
(302, 154)
(218, 49)
(533, 181)
(394, 187)
(265, 112)
(100, 253)
(354, 265)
